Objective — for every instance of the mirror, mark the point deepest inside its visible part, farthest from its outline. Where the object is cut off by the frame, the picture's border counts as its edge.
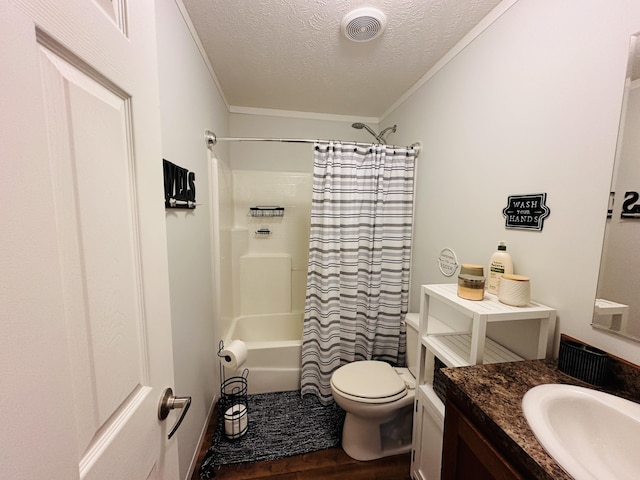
(617, 306)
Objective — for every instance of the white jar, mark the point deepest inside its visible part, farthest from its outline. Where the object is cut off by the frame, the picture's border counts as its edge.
(514, 290)
(499, 264)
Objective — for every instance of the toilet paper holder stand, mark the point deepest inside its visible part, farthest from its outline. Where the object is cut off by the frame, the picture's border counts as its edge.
(233, 395)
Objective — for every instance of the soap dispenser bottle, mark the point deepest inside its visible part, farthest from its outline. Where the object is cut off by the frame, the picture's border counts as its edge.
(499, 264)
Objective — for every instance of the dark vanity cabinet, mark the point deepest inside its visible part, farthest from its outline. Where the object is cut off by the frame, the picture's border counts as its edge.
(486, 435)
(468, 454)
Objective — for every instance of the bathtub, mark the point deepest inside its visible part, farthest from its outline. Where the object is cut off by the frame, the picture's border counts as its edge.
(274, 345)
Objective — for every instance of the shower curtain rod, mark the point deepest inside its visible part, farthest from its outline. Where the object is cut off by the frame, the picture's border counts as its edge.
(211, 139)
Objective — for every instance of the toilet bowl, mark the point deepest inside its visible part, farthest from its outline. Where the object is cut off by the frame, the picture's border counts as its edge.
(378, 400)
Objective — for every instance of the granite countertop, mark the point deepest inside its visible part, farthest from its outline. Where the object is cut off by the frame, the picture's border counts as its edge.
(492, 396)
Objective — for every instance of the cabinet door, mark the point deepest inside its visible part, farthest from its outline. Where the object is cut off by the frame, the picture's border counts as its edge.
(468, 454)
(427, 443)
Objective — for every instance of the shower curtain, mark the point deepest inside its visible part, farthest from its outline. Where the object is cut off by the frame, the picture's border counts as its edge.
(359, 259)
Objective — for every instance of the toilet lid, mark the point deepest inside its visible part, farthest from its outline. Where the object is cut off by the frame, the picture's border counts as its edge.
(369, 379)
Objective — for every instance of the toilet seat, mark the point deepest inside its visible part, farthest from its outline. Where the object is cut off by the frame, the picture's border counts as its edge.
(369, 381)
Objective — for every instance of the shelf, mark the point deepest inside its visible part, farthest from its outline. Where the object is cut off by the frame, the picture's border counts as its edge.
(444, 308)
(490, 306)
(455, 350)
(266, 211)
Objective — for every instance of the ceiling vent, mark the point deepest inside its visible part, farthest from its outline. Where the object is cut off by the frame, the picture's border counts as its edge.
(363, 24)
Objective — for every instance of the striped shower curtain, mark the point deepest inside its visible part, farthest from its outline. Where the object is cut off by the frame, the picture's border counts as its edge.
(359, 259)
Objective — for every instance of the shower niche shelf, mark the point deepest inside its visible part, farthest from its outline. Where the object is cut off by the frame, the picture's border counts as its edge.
(262, 233)
(266, 211)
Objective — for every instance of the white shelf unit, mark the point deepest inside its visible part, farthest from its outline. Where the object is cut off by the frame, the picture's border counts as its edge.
(455, 330)
(464, 342)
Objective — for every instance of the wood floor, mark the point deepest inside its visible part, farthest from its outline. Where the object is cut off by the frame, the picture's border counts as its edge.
(330, 464)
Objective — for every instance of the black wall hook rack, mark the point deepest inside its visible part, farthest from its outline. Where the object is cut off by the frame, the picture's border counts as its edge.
(179, 186)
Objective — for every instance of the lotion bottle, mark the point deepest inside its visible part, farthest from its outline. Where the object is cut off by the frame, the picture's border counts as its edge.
(499, 264)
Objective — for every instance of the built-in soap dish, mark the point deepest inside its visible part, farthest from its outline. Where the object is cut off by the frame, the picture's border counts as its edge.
(263, 232)
(583, 362)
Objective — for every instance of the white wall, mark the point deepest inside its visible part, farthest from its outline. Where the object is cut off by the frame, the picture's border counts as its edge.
(532, 105)
(190, 103)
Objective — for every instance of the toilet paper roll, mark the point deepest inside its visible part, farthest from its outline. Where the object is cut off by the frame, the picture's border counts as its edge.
(234, 355)
(235, 421)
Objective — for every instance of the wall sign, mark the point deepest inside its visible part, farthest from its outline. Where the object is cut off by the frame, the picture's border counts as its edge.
(448, 262)
(526, 212)
(631, 205)
(179, 186)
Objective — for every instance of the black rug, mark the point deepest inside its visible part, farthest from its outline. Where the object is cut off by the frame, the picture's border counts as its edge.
(280, 425)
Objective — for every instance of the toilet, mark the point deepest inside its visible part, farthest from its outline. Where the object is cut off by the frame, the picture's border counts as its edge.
(378, 399)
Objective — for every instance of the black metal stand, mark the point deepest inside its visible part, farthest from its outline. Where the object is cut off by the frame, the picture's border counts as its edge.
(233, 405)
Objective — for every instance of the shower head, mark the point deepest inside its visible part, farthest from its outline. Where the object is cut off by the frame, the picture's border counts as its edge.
(384, 132)
(360, 126)
(378, 136)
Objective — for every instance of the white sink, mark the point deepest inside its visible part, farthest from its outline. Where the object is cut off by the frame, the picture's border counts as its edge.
(591, 434)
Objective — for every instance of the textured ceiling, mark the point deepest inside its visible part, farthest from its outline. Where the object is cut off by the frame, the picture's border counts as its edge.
(291, 54)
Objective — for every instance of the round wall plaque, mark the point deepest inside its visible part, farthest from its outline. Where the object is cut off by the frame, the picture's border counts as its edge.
(448, 262)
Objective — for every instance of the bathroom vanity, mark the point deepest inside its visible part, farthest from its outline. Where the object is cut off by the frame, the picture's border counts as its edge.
(485, 429)
(486, 432)
(455, 332)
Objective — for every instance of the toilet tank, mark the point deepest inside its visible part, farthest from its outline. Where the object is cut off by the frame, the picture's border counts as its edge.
(412, 320)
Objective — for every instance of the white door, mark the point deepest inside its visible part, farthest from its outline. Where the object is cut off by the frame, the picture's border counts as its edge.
(85, 346)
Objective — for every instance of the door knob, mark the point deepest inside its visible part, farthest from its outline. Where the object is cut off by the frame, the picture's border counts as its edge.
(168, 402)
